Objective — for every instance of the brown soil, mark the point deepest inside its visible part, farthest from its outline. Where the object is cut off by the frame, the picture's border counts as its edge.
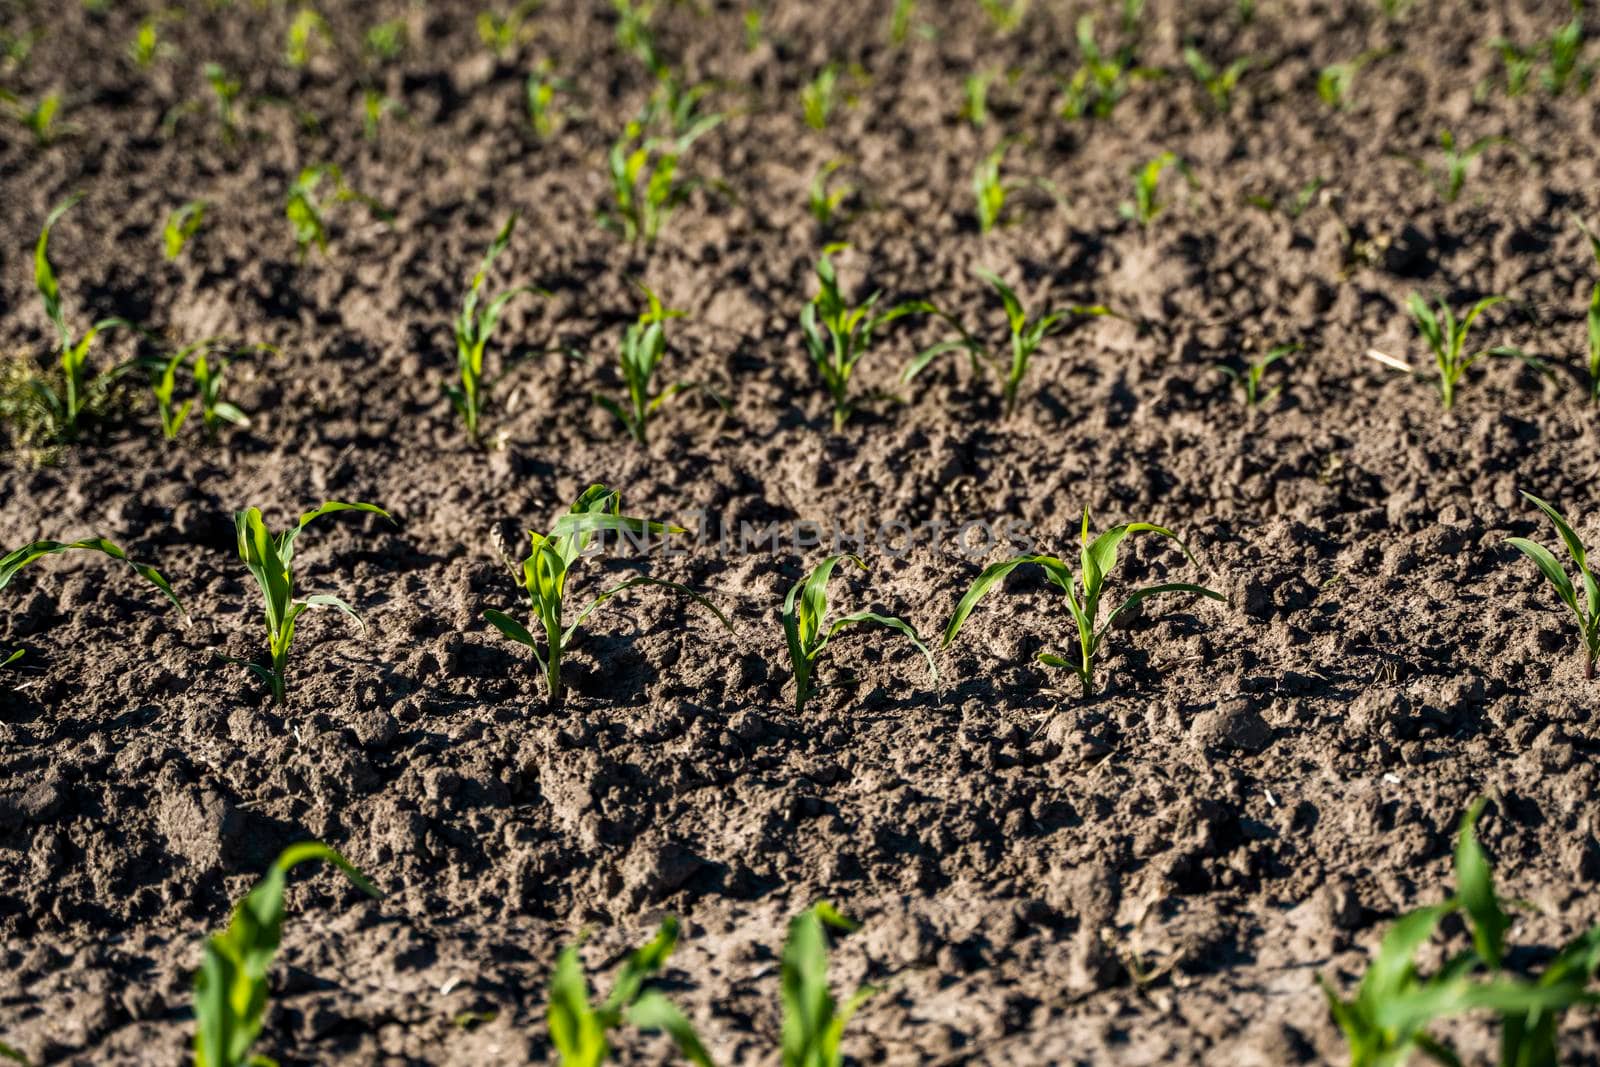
(1154, 875)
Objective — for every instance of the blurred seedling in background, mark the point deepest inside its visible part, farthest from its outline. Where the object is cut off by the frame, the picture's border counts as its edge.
(837, 335)
(1593, 319)
(308, 30)
(14, 561)
(643, 345)
(225, 89)
(147, 45)
(1027, 334)
(1250, 378)
(1291, 207)
(1336, 79)
(1005, 15)
(807, 631)
(823, 202)
(1587, 612)
(543, 577)
(384, 41)
(1098, 562)
(474, 326)
(1218, 84)
(181, 225)
(39, 117)
(1146, 203)
(1101, 80)
(975, 97)
(645, 183)
(579, 1027)
(230, 989)
(207, 362)
(502, 32)
(305, 207)
(541, 90)
(1451, 174)
(818, 97)
(1397, 1001)
(1446, 337)
(988, 190)
(270, 560)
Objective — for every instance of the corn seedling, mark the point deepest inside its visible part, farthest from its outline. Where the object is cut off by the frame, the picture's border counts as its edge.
(838, 335)
(808, 632)
(1588, 613)
(645, 188)
(900, 21)
(385, 41)
(1518, 63)
(305, 208)
(824, 202)
(975, 98)
(634, 33)
(1335, 80)
(818, 95)
(1447, 339)
(1026, 337)
(208, 365)
(644, 343)
(374, 106)
(147, 46)
(1146, 204)
(1005, 15)
(181, 225)
(8, 1052)
(578, 1026)
(271, 563)
(501, 32)
(987, 188)
(813, 1021)
(473, 329)
(543, 576)
(1292, 207)
(79, 390)
(230, 989)
(1451, 175)
(1218, 84)
(1566, 71)
(1388, 1018)
(1098, 562)
(752, 29)
(225, 88)
(307, 28)
(12, 562)
(39, 117)
(540, 91)
(1102, 80)
(1249, 379)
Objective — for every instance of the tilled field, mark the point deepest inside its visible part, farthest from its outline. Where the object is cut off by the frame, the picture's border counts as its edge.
(1156, 874)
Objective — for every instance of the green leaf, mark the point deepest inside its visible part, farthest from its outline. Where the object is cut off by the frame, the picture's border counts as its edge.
(653, 1011)
(994, 573)
(889, 621)
(1155, 590)
(1475, 889)
(510, 627)
(14, 561)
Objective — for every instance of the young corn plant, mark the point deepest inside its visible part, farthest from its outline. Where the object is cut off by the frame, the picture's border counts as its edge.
(1098, 560)
(817, 97)
(1336, 79)
(502, 32)
(147, 45)
(230, 989)
(1588, 611)
(1218, 84)
(1103, 79)
(543, 576)
(14, 561)
(1146, 203)
(813, 1021)
(1451, 175)
(1027, 335)
(837, 335)
(225, 89)
(271, 563)
(181, 226)
(541, 90)
(1005, 15)
(39, 117)
(1250, 378)
(1564, 49)
(645, 186)
(1395, 1004)
(578, 1026)
(987, 188)
(644, 343)
(474, 326)
(807, 630)
(975, 98)
(824, 202)
(207, 362)
(79, 389)
(1447, 338)
(305, 32)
